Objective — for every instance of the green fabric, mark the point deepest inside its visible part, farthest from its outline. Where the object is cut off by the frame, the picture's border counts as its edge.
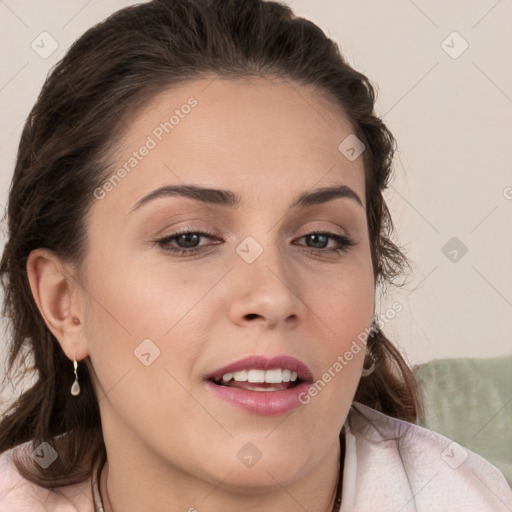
(470, 402)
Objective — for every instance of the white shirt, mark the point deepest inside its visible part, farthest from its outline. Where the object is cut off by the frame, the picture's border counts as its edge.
(390, 466)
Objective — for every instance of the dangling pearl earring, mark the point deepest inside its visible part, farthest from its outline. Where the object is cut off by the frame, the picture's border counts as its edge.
(75, 388)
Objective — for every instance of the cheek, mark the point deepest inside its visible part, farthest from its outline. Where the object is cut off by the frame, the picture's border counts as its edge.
(344, 300)
(128, 294)
(137, 314)
(344, 305)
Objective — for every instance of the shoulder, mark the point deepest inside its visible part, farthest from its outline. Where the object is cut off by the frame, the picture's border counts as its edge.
(20, 495)
(411, 468)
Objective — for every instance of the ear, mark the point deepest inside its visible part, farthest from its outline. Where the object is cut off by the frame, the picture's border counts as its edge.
(58, 296)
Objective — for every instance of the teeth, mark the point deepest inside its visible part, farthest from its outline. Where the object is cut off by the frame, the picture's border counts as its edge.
(256, 376)
(275, 376)
(239, 376)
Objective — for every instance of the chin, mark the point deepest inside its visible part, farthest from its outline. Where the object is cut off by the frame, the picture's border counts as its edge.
(250, 468)
(260, 478)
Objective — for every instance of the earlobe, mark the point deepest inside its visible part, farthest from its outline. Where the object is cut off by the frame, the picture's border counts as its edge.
(55, 294)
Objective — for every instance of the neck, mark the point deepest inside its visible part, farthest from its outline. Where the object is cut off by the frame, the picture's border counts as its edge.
(146, 490)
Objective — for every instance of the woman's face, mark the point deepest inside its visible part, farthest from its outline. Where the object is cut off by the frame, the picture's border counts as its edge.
(159, 323)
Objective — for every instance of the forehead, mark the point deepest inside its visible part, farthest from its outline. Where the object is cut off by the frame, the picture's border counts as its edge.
(257, 137)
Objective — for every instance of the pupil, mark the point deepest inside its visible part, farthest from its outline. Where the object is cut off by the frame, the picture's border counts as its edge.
(315, 237)
(186, 237)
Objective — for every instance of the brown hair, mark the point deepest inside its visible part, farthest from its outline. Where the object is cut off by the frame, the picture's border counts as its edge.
(63, 156)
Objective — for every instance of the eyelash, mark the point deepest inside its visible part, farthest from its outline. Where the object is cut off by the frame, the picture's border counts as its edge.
(344, 242)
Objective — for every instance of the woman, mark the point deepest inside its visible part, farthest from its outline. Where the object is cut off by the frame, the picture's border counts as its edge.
(197, 236)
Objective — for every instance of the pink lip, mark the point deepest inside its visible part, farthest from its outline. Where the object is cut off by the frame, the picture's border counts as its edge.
(268, 403)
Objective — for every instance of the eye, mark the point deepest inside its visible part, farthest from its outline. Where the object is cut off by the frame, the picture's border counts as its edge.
(188, 242)
(322, 239)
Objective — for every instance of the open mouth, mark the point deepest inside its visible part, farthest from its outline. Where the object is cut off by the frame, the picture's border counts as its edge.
(262, 385)
(276, 379)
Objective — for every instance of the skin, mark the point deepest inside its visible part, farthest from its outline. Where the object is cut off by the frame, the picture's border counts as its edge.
(171, 443)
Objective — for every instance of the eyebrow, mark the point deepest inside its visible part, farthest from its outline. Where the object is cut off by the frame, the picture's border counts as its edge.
(230, 199)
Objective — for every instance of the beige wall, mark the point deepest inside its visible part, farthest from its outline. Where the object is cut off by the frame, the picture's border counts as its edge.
(452, 117)
(449, 110)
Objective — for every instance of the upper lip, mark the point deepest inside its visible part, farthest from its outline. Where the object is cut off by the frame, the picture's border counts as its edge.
(261, 362)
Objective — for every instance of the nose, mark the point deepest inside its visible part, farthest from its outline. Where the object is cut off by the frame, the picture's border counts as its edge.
(265, 288)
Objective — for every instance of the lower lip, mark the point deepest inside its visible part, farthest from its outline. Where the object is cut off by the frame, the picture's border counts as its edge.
(266, 403)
